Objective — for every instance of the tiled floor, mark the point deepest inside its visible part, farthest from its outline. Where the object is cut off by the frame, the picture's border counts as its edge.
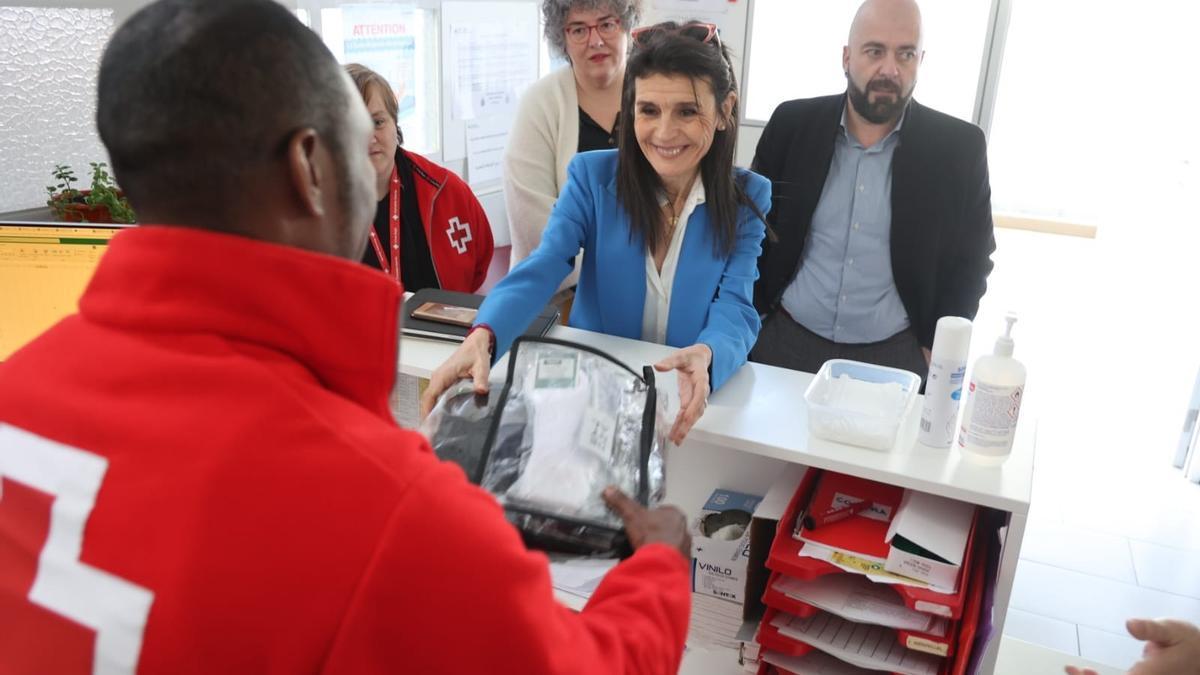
(1110, 333)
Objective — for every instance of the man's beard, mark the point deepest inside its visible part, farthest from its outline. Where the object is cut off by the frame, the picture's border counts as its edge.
(883, 110)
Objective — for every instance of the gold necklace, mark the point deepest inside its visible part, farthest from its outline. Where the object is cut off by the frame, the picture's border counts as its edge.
(674, 219)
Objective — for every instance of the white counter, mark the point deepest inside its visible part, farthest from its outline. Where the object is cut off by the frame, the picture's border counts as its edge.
(757, 421)
(760, 410)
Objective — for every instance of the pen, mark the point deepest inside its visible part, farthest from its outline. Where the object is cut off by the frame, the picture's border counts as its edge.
(835, 513)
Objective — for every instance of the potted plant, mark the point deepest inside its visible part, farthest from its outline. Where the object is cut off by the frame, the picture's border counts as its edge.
(103, 203)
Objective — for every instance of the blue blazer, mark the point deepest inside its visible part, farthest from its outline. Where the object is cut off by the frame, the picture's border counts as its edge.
(712, 296)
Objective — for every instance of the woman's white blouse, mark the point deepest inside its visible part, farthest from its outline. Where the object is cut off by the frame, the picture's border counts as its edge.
(659, 286)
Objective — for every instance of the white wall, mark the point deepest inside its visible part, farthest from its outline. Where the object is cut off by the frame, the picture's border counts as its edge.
(32, 143)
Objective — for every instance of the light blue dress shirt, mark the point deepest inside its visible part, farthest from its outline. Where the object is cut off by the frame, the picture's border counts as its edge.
(844, 290)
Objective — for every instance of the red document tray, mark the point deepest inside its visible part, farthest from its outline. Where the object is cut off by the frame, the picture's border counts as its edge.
(785, 558)
(938, 645)
(770, 639)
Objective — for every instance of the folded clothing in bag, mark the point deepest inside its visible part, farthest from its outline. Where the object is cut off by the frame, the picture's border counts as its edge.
(570, 421)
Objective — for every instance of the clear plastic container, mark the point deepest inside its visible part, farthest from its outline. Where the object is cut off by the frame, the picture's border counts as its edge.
(860, 403)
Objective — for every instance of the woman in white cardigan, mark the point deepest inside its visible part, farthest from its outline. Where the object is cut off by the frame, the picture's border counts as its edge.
(571, 110)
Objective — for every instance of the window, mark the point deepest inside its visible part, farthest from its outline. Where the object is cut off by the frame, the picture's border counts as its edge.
(796, 52)
(1092, 117)
(398, 41)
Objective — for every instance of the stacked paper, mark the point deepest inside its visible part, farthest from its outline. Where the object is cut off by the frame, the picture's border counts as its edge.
(870, 647)
(813, 663)
(715, 622)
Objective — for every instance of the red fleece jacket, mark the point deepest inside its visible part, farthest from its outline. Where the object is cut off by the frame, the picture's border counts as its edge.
(200, 475)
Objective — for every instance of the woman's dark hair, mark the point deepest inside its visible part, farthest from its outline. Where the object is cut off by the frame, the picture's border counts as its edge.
(663, 50)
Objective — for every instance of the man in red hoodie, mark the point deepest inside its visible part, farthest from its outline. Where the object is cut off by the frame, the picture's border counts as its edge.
(199, 472)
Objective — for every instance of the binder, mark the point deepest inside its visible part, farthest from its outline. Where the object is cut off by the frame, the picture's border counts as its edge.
(451, 333)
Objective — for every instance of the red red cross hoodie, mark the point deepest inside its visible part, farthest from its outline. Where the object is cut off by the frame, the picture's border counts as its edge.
(199, 474)
(456, 227)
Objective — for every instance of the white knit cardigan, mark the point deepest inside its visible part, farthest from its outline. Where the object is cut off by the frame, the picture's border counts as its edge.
(544, 138)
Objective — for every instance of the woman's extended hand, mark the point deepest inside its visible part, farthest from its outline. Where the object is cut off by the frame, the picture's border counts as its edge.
(692, 364)
(472, 359)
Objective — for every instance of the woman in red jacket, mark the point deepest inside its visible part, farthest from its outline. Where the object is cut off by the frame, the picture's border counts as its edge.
(430, 231)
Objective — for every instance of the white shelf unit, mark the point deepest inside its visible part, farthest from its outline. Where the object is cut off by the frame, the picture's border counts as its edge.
(756, 424)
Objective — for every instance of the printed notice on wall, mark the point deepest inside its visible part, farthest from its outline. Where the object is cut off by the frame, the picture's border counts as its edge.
(390, 39)
(490, 66)
(486, 140)
(489, 57)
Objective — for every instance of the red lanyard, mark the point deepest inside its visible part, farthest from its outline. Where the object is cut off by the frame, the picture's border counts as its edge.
(394, 225)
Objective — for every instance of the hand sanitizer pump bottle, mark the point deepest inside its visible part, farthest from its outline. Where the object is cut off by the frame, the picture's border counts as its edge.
(989, 421)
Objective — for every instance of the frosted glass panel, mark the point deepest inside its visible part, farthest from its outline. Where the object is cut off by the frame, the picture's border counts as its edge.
(50, 58)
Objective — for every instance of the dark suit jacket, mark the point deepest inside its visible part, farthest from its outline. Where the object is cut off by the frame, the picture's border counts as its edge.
(941, 236)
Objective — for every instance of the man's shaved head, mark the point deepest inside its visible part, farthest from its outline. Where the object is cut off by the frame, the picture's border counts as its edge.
(900, 14)
(881, 59)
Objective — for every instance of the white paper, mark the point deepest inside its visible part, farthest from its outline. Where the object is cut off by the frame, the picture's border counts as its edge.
(854, 597)
(598, 431)
(579, 576)
(934, 523)
(872, 647)
(813, 663)
(870, 568)
(490, 66)
(489, 57)
(486, 140)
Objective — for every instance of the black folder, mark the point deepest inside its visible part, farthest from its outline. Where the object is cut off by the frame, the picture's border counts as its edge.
(451, 333)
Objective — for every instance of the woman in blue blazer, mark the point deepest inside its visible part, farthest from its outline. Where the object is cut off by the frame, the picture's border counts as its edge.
(671, 231)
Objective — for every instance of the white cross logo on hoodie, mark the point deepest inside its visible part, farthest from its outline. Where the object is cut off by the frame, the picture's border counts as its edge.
(459, 233)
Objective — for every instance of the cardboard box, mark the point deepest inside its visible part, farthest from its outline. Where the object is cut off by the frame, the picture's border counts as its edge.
(727, 601)
(721, 546)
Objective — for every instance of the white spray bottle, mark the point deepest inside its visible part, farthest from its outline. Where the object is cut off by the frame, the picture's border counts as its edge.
(989, 422)
(944, 385)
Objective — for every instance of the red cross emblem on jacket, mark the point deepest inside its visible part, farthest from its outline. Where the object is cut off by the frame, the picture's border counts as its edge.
(459, 233)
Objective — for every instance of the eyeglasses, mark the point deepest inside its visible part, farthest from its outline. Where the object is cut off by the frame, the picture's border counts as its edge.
(578, 33)
(697, 30)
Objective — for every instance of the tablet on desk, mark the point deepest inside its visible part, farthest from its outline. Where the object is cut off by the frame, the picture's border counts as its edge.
(448, 315)
(440, 312)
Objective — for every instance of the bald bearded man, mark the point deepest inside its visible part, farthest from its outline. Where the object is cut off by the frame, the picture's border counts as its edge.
(882, 208)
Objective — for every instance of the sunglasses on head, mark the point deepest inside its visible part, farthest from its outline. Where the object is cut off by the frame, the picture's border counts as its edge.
(697, 30)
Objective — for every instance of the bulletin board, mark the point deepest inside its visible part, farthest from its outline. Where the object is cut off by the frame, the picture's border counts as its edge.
(490, 56)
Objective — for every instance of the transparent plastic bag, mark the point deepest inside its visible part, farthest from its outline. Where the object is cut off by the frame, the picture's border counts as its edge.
(569, 422)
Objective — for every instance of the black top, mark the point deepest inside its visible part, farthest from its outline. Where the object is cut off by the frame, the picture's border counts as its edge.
(416, 265)
(941, 236)
(592, 136)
